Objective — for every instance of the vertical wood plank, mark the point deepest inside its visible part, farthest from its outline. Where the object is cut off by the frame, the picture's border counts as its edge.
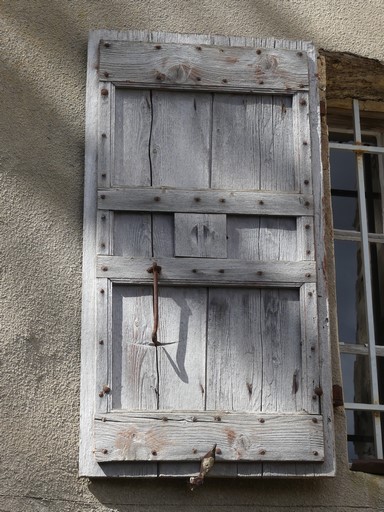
(106, 94)
(181, 360)
(132, 234)
(104, 235)
(302, 142)
(305, 238)
(200, 235)
(163, 237)
(180, 140)
(243, 237)
(234, 355)
(103, 344)
(132, 132)
(135, 383)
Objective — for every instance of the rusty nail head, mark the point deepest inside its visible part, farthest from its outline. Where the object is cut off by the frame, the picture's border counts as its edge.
(105, 451)
(194, 270)
(314, 420)
(315, 453)
(104, 269)
(261, 82)
(310, 294)
(102, 291)
(313, 348)
(101, 342)
(158, 47)
(102, 196)
(307, 226)
(104, 92)
(154, 452)
(306, 182)
(301, 86)
(262, 452)
(157, 198)
(319, 391)
(103, 245)
(106, 389)
(198, 78)
(164, 418)
(305, 143)
(307, 275)
(259, 273)
(194, 450)
(258, 51)
(303, 102)
(261, 202)
(104, 135)
(101, 394)
(300, 54)
(221, 271)
(106, 74)
(217, 418)
(262, 420)
(307, 203)
(158, 77)
(222, 200)
(107, 45)
(194, 419)
(308, 251)
(218, 451)
(196, 199)
(225, 81)
(198, 48)
(314, 397)
(103, 217)
(104, 175)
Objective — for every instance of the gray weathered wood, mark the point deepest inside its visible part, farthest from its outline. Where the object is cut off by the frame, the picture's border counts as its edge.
(177, 436)
(132, 234)
(200, 235)
(171, 65)
(105, 97)
(131, 137)
(218, 272)
(166, 199)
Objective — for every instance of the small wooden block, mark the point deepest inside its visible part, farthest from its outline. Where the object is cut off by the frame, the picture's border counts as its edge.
(200, 235)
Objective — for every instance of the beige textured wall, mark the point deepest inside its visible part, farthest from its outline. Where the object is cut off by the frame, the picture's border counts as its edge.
(43, 62)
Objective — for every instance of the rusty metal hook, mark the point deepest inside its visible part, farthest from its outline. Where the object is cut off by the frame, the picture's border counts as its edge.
(155, 269)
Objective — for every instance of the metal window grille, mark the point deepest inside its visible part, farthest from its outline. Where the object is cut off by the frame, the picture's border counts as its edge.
(372, 347)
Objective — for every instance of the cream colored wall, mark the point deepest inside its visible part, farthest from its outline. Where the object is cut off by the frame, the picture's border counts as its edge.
(43, 62)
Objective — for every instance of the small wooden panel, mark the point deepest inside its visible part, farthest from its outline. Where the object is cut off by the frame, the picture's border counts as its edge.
(215, 272)
(132, 234)
(188, 436)
(202, 67)
(205, 201)
(200, 235)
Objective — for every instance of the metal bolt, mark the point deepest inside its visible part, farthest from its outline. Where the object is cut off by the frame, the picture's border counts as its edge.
(314, 397)
(106, 389)
(258, 52)
(262, 452)
(314, 420)
(101, 394)
(104, 135)
(105, 451)
(154, 452)
(300, 54)
(303, 102)
(308, 252)
(307, 226)
(107, 45)
(101, 291)
(310, 294)
(102, 196)
(103, 245)
(261, 202)
(218, 451)
(313, 348)
(305, 143)
(104, 175)
(194, 270)
(315, 453)
(307, 203)
(101, 342)
(104, 269)
(307, 275)
(306, 182)
(164, 418)
(217, 418)
(104, 92)
(262, 420)
(319, 391)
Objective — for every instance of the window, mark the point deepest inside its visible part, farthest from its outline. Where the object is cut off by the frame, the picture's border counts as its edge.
(357, 177)
(205, 316)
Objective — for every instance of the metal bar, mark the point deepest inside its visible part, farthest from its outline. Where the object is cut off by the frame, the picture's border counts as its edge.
(357, 148)
(367, 276)
(155, 270)
(359, 349)
(344, 234)
(364, 407)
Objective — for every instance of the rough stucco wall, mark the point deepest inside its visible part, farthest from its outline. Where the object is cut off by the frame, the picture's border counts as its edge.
(43, 62)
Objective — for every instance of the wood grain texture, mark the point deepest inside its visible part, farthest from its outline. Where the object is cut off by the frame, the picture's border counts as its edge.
(183, 437)
(200, 235)
(131, 137)
(132, 234)
(214, 272)
(202, 67)
(104, 136)
(205, 201)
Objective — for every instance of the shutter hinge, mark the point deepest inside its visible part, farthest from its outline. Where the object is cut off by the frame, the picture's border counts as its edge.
(337, 395)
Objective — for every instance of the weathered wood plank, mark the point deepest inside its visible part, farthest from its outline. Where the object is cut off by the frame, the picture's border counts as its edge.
(163, 235)
(234, 355)
(213, 272)
(186, 437)
(135, 379)
(205, 201)
(200, 235)
(180, 150)
(102, 343)
(131, 137)
(104, 135)
(203, 67)
(104, 236)
(181, 360)
(132, 234)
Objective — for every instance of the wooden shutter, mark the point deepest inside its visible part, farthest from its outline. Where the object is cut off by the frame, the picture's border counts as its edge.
(205, 155)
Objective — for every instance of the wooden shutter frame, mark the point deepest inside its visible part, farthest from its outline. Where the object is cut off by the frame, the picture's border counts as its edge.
(88, 466)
